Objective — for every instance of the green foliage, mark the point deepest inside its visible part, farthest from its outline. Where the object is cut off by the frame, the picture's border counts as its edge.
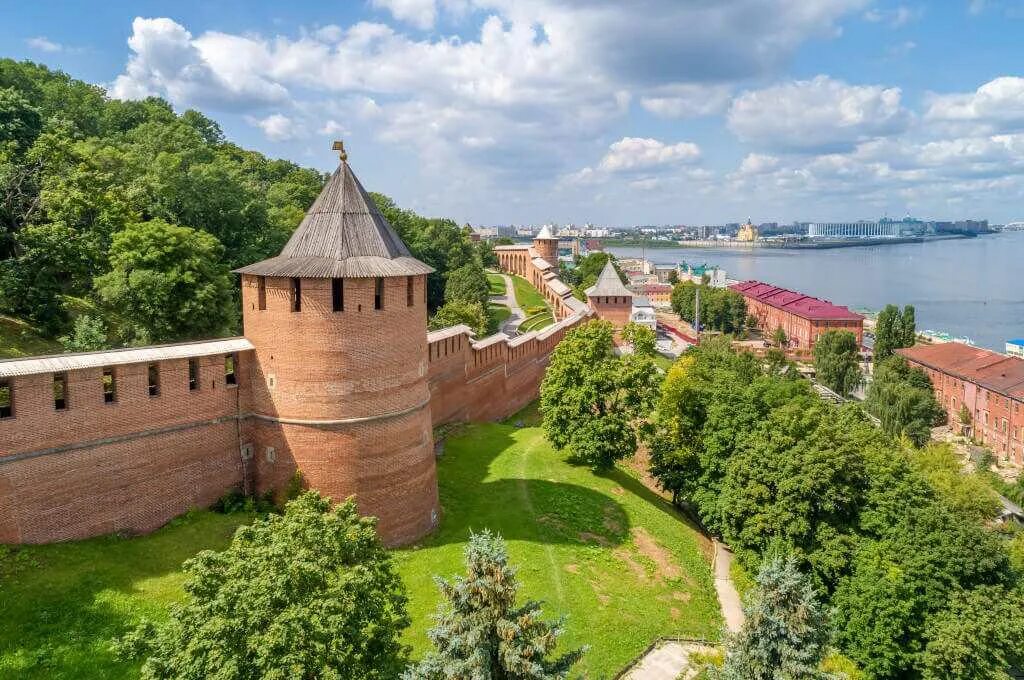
(78, 168)
(977, 638)
(481, 633)
(893, 330)
(836, 361)
(468, 284)
(721, 309)
(642, 338)
(901, 397)
(779, 338)
(785, 633)
(88, 334)
(456, 312)
(169, 282)
(890, 534)
(310, 593)
(594, 403)
(967, 493)
(440, 243)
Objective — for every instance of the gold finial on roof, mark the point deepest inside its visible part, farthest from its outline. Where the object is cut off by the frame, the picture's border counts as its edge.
(339, 146)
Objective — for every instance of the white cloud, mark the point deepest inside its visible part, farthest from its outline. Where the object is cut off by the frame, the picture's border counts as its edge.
(996, 105)
(420, 13)
(44, 44)
(218, 71)
(821, 114)
(637, 153)
(896, 17)
(277, 127)
(758, 164)
(333, 127)
(688, 100)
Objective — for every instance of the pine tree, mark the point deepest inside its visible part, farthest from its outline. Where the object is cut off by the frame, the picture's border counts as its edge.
(785, 633)
(480, 634)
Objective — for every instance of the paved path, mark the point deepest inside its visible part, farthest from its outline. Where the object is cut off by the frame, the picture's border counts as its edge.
(510, 327)
(668, 661)
(728, 596)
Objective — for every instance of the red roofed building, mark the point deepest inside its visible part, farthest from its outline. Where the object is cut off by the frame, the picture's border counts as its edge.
(660, 294)
(802, 317)
(989, 384)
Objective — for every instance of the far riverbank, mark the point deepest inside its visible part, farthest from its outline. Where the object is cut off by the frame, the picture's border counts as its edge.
(966, 287)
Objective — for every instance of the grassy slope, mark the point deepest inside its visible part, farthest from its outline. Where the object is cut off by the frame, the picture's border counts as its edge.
(62, 604)
(529, 298)
(603, 549)
(19, 339)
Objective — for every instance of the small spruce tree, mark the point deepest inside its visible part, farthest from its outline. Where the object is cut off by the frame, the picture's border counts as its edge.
(480, 634)
(785, 633)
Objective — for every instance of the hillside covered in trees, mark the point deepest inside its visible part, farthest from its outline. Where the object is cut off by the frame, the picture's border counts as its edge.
(121, 220)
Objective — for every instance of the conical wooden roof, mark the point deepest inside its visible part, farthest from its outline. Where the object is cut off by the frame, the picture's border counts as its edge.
(342, 235)
(608, 283)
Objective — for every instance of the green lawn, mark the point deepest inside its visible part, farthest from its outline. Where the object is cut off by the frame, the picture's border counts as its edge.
(536, 322)
(496, 282)
(62, 604)
(19, 339)
(603, 549)
(663, 362)
(496, 315)
(526, 295)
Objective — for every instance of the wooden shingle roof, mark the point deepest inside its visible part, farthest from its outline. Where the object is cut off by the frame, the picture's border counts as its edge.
(608, 283)
(342, 235)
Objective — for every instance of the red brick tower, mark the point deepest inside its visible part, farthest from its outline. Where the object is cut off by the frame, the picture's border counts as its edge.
(610, 299)
(339, 322)
(546, 245)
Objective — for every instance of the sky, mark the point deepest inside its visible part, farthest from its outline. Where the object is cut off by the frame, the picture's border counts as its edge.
(608, 112)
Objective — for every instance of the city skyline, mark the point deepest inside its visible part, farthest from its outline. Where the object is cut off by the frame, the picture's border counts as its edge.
(500, 112)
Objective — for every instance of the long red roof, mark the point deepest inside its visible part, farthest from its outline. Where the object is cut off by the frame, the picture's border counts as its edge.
(801, 305)
(991, 370)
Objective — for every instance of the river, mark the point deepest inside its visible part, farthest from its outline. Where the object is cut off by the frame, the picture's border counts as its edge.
(966, 287)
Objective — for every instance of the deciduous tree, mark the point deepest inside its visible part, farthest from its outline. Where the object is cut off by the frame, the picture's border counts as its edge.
(311, 593)
(836, 361)
(168, 282)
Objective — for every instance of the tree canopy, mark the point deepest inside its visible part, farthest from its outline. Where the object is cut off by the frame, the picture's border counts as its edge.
(721, 309)
(837, 361)
(901, 397)
(311, 593)
(894, 329)
(595, 403)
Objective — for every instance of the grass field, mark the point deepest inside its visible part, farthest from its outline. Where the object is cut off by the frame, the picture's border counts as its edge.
(603, 549)
(536, 322)
(62, 604)
(526, 295)
(496, 282)
(19, 339)
(618, 560)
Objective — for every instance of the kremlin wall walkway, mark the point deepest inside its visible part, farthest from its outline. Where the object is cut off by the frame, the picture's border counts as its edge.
(510, 327)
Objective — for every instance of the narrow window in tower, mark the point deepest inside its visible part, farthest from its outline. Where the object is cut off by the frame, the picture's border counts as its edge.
(378, 293)
(296, 295)
(109, 386)
(338, 295)
(229, 370)
(261, 293)
(60, 391)
(193, 375)
(409, 287)
(6, 399)
(153, 379)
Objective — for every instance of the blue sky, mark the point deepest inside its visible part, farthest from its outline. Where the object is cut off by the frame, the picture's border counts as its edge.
(650, 111)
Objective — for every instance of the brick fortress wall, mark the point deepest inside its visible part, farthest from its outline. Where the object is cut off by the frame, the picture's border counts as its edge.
(307, 398)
